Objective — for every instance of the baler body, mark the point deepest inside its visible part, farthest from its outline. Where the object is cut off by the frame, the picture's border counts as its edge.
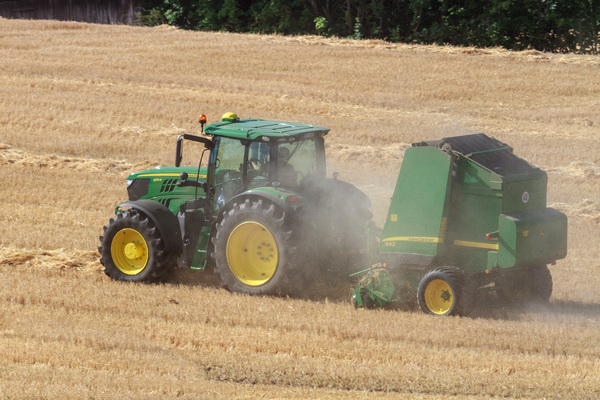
(470, 203)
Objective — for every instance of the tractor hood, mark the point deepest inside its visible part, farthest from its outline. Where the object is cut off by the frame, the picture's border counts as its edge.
(160, 184)
(169, 172)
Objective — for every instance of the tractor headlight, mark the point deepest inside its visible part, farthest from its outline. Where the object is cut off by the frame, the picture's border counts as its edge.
(137, 188)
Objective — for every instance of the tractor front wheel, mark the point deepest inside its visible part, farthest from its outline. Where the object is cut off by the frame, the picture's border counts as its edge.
(253, 248)
(132, 249)
(443, 291)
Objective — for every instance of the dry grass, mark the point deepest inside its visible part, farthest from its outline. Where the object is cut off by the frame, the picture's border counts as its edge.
(83, 105)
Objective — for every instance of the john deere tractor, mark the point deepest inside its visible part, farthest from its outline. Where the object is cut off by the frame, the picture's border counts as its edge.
(256, 206)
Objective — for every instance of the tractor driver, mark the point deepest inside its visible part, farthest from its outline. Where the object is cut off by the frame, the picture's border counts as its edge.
(258, 163)
(287, 175)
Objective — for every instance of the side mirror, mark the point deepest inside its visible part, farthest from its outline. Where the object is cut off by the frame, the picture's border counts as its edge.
(178, 155)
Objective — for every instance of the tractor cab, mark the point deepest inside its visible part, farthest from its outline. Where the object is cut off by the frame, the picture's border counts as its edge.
(272, 158)
(254, 153)
(255, 204)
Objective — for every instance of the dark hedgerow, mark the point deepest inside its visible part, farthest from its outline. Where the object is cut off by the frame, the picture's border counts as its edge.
(550, 25)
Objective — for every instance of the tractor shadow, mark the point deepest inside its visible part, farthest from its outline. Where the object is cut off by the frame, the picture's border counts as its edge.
(190, 277)
(313, 290)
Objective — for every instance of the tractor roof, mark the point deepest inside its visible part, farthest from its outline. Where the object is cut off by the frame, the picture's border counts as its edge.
(254, 129)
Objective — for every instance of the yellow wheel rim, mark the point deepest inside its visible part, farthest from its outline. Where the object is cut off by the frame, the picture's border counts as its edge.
(252, 253)
(129, 251)
(439, 297)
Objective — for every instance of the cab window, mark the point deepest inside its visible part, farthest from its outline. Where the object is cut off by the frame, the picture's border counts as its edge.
(257, 172)
(296, 162)
(229, 162)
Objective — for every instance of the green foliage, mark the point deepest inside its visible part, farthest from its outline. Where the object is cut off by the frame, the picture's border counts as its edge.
(546, 25)
(357, 27)
(322, 26)
(152, 17)
(280, 16)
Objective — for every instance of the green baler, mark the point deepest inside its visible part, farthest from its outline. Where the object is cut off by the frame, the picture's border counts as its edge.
(466, 214)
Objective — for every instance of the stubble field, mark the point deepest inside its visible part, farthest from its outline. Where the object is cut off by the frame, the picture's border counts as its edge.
(83, 105)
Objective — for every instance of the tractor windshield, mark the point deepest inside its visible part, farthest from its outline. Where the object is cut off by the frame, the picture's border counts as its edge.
(240, 166)
(296, 161)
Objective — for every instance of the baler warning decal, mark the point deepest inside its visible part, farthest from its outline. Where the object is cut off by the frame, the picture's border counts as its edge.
(479, 245)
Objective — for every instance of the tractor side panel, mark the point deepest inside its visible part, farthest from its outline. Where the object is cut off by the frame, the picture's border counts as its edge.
(415, 228)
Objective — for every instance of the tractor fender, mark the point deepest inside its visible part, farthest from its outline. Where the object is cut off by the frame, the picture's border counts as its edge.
(163, 218)
(275, 196)
(347, 191)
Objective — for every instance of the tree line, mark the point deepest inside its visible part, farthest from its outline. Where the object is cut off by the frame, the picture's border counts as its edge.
(545, 25)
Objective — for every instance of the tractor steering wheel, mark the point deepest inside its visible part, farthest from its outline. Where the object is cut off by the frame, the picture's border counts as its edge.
(255, 164)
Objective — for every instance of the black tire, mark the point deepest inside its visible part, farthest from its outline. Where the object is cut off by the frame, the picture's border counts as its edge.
(344, 245)
(254, 249)
(444, 291)
(540, 284)
(132, 249)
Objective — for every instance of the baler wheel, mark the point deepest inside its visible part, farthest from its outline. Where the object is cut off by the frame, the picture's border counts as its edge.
(253, 248)
(540, 283)
(443, 291)
(132, 249)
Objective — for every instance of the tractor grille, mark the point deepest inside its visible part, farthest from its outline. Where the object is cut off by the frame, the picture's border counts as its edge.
(168, 185)
(165, 202)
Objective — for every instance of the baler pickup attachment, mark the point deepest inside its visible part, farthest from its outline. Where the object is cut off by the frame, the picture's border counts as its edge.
(375, 289)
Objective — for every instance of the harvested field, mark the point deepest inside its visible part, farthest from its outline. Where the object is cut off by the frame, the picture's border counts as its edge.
(83, 105)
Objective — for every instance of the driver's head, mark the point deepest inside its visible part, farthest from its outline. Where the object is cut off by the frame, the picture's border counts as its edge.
(284, 153)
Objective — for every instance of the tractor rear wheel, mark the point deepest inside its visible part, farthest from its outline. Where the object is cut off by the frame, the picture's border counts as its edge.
(132, 249)
(443, 291)
(253, 248)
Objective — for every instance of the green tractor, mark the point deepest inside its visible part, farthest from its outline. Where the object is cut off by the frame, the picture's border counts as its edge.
(257, 207)
(467, 216)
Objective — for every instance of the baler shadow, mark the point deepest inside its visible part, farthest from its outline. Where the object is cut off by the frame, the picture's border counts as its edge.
(486, 307)
(567, 307)
(491, 309)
